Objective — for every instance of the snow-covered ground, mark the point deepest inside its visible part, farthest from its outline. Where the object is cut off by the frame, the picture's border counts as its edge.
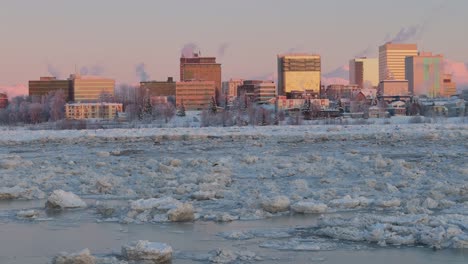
(398, 184)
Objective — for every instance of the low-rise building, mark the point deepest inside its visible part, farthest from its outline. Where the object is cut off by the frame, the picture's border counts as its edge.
(195, 95)
(449, 87)
(338, 91)
(283, 103)
(158, 88)
(263, 92)
(393, 88)
(46, 85)
(230, 87)
(92, 110)
(3, 100)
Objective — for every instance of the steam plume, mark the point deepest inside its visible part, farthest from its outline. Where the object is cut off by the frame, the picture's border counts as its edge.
(222, 49)
(92, 70)
(189, 49)
(54, 72)
(141, 72)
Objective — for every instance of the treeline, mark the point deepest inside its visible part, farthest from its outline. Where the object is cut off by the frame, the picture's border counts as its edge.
(34, 110)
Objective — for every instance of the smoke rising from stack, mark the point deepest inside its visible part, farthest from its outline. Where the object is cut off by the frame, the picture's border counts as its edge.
(408, 34)
(140, 70)
(189, 49)
(222, 49)
(54, 72)
(96, 70)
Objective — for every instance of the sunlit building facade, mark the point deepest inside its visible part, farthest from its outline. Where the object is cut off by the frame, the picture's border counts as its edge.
(392, 60)
(298, 72)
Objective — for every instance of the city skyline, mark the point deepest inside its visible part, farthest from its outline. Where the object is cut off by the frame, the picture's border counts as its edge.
(119, 39)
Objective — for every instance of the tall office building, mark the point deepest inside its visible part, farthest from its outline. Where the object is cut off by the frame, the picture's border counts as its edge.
(199, 68)
(91, 88)
(424, 73)
(45, 85)
(298, 72)
(364, 72)
(392, 60)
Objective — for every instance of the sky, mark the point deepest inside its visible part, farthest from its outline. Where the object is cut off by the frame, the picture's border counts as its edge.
(114, 38)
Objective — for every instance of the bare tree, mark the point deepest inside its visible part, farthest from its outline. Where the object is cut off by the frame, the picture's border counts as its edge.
(57, 106)
(35, 113)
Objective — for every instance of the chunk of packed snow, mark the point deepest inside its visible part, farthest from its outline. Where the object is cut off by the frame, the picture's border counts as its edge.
(59, 199)
(82, 257)
(309, 207)
(276, 204)
(163, 204)
(182, 213)
(147, 252)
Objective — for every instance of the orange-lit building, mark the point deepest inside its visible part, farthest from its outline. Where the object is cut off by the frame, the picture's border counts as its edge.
(157, 88)
(394, 88)
(3, 100)
(199, 68)
(449, 87)
(196, 95)
(45, 85)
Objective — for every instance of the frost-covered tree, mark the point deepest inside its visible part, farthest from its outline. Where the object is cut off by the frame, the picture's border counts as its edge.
(213, 108)
(307, 110)
(181, 109)
(57, 106)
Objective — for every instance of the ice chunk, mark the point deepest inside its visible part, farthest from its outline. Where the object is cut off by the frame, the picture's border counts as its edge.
(183, 213)
(346, 202)
(27, 214)
(203, 195)
(10, 193)
(164, 204)
(82, 257)
(59, 199)
(309, 207)
(276, 204)
(147, 252)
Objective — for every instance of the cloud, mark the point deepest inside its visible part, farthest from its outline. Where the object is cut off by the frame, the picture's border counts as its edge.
(140, 70)
(14, 90)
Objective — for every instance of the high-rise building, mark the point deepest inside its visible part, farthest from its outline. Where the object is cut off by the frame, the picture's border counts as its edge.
(449, 87)
(156, 88)
(392, 60)
(199, 68)
(265, 91)
(298, 72)
(196, 95)
(364, 72)
(424, 73)
(91, 88)
(45, 85)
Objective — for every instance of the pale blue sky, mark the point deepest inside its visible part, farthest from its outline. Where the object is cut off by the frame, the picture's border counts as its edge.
(116, 35)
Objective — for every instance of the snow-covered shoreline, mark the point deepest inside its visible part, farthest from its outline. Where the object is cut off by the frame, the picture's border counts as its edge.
(180, 133)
